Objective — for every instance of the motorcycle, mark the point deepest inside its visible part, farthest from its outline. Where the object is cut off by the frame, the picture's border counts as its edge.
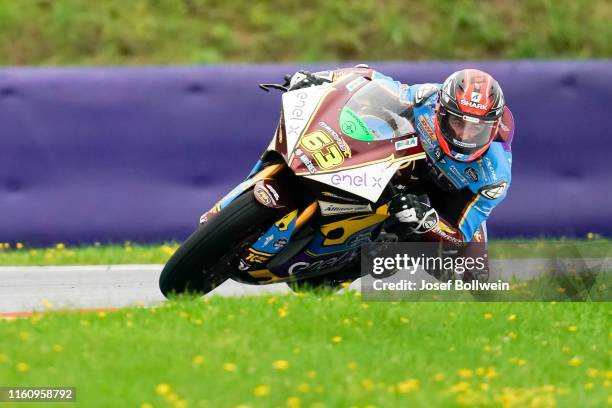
(319, 192)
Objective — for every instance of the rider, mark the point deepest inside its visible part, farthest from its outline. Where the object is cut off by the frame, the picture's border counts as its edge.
(466, 131)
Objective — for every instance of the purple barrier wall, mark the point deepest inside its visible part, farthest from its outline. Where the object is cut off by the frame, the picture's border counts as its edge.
(115, 154)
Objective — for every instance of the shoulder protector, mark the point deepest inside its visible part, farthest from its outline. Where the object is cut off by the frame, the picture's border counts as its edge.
(423, 92)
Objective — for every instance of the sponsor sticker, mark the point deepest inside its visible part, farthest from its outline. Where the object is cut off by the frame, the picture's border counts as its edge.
(439, 155)
(328, 208)
(406, 143)
(263, 196)
(473, 104)
(346, 150)
(471, 173)
(356, 180)
(427, 128)
(328, 194)
(355, 83)
(272, 190)
(307, 162)
(280, 243)
(303, 267)
(491, 168)
(456, 172)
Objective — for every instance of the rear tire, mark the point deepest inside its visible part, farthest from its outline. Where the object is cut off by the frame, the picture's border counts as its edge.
(191, 269)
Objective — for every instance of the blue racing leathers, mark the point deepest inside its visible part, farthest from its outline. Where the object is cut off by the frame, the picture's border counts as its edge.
(463, 193)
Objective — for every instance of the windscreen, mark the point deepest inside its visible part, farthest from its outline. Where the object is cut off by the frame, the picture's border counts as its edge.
(375, 113)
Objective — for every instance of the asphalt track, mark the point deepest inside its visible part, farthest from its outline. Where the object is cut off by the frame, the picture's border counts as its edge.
(24, 289)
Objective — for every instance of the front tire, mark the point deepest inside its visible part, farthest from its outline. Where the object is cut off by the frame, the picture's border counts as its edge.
(191, 269)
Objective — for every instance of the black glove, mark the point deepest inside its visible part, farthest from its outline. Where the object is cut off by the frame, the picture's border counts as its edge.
(414, 211)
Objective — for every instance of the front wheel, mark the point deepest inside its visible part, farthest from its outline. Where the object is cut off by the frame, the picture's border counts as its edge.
(193, 267)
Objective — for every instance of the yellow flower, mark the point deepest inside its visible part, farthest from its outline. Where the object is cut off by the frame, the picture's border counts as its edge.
(439, 377)
(23, 367)
(167, 250)
(60, 246)
(575, 361)
(572, 329)
(283, 311)
(367, 384)
(345, 284)
(336, 339)
(512, 317)
(281, 365)
(484, 387)
(294, 402)
(261, 391)
(179, 404)
(588, 386)
(163, 389)
(47, 304)
(198, 360)
(408, 386)
(19, 245)
(172, 397)
(303, 387)
(101, 315)
(230, 367)
(609, 375)
(146, 405)
(464, 373)
(491, 373)
(481, 371)
(462, 386)
(404, 320)
(592, 372)
(488, 316)
(58, 348)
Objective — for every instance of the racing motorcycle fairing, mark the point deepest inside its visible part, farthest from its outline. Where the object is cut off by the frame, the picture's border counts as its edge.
(338, 146)
(337, 133)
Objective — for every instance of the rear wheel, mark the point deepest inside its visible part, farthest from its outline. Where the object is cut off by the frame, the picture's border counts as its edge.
(194, 267)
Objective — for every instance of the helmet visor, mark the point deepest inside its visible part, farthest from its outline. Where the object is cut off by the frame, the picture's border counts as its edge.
(466, 133)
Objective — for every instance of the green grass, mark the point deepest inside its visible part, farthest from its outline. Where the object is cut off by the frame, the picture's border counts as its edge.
(108, 254)
(75, 32)
(17, 254)
(309, 351)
